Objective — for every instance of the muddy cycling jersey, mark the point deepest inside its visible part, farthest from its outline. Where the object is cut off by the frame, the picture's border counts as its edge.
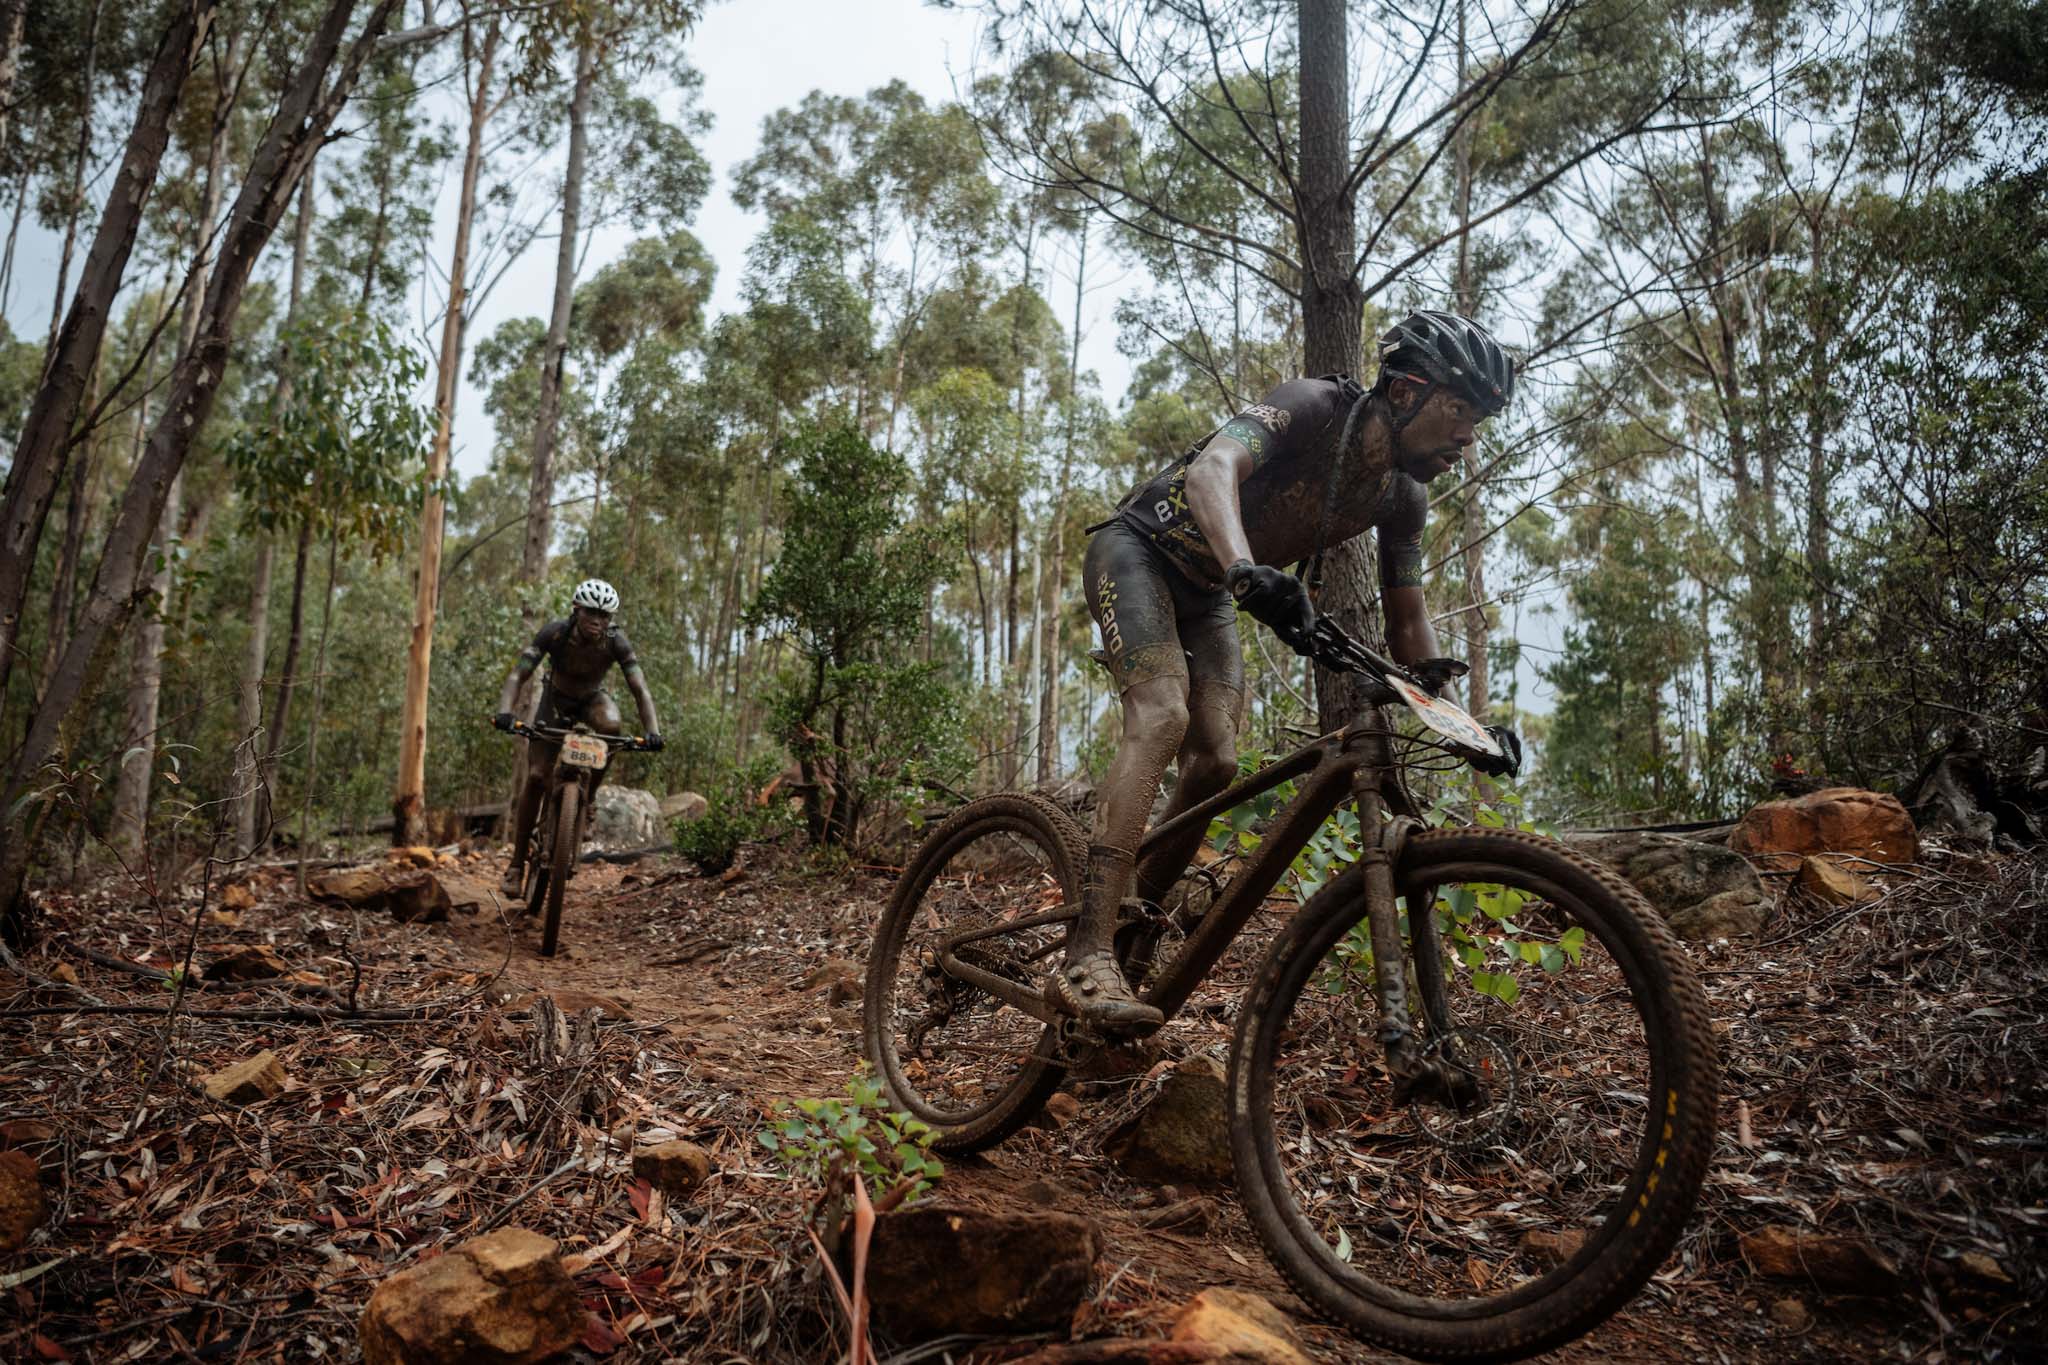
(1301, 495)
(577, 670)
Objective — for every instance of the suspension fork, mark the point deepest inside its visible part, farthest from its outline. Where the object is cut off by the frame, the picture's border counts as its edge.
(1389, 957)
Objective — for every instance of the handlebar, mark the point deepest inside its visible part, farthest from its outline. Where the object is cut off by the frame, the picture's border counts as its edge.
(553, 734)
(1330, 645)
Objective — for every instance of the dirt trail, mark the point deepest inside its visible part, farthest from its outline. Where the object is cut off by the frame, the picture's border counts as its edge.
(258, 1232)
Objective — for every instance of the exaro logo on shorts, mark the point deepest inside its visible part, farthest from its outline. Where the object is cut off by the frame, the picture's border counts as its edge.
(1174, 503)
(1105, 600)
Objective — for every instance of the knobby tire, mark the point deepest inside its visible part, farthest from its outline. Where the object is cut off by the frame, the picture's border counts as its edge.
(1056, 834)
(1641, 1224)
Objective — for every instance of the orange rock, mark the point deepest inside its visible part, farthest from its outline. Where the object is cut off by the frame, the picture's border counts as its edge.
(500, 1299)
(1839, 820)
(23, 1207)
(237, 896)
(1244, 1327)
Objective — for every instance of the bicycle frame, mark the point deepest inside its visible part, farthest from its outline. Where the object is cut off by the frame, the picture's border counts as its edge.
(1354, 763)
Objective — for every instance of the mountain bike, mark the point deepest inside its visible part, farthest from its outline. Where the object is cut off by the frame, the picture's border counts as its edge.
(581, 755)
(1559, 1077)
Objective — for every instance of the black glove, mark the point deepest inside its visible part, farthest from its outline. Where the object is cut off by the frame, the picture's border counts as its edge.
(1510, 761)
(654, 741)
(1275, 598)
(1434, 673)
(504, 721)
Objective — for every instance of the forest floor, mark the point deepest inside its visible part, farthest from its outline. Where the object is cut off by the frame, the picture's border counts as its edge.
(1885, 1080)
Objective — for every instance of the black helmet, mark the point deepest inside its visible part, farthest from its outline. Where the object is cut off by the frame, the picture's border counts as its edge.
(1453, 351)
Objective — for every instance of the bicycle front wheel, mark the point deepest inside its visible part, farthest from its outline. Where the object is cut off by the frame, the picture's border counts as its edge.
(964, 1060)
(563, 853)
(1514, 1209)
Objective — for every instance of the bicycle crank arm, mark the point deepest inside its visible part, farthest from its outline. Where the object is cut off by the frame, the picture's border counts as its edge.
(1022, 996)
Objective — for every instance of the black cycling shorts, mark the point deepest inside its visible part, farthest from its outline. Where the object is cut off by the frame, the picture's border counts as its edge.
(597, 710)
(1154, 622)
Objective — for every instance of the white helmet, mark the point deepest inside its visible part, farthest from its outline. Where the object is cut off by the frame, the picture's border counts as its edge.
(596, 594)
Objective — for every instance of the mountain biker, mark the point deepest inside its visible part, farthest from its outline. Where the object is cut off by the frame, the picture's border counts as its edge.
(1314, 464)
(580, 651)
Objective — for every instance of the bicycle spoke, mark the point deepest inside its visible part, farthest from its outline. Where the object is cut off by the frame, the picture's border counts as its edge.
(958, 1047)
(1469, 1189)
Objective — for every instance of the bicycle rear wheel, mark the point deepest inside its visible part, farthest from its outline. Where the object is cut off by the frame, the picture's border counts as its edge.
(1581, 1136)
(539, 852)
(968, 1062)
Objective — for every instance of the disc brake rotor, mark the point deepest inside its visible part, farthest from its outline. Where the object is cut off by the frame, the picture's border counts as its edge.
(1483, 1076)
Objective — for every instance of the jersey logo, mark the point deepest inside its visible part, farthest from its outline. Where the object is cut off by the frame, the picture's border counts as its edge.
(1163, 510)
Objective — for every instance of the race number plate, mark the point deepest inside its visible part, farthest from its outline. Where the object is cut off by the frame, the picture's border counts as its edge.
(1446, 718)
(584, 751)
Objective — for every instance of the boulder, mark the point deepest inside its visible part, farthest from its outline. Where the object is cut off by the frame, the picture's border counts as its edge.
(673, 1167)
(1184, 1133)
(424, 895)
(500, 1299)
(1703, 890)
(23, 1208)
(1840, 820)
(415, 856)
(1832, 884)
(253, 1078)
(1245, 1328)
(625, 817)
(257, 962)
(363, 887)
(683, 806)
(937, 1270)
(1849, 1265)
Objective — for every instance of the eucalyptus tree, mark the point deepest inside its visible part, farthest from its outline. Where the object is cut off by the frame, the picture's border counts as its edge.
(334, 52)
(648, 171)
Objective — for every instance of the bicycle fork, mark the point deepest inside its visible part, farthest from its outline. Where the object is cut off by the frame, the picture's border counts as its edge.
(1414, 1071)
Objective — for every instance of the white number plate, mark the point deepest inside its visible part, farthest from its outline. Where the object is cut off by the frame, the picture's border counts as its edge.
(584, 751)
(1446, 718)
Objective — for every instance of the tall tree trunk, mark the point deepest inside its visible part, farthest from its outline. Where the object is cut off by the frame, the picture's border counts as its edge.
(1052, 586)
(13, 236)
(1013, 751)
(1331, 300)
(1819, 616)
(306, 110)
(74, 197)
(64, 589)
(45, 444)
(138, 760)
(251, 771)
(533, 564)
(313, 722)
(13, 17)
(408, 804)
(1477, 696)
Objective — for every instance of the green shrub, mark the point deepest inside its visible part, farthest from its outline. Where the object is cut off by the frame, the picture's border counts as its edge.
(734, 815)
(830, 1142)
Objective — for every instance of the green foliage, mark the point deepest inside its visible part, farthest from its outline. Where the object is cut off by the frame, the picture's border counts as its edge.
(833, 1142)
(334, 448)
(849, 587)
(740, 809)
